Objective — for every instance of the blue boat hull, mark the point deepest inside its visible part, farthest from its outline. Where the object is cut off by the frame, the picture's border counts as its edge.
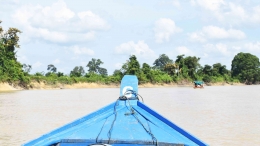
(124, 122)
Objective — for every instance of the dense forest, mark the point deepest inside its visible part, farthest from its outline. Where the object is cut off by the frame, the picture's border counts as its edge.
(245, 68)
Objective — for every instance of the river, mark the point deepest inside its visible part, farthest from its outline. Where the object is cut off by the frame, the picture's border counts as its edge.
(218, 115)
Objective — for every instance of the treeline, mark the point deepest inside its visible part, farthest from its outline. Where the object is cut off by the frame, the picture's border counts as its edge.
(245, 68)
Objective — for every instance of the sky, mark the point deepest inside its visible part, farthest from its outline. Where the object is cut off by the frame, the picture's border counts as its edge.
(69, 33)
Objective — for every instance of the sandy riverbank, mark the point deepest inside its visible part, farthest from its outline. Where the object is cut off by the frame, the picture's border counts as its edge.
(7, 87)
(43, 86)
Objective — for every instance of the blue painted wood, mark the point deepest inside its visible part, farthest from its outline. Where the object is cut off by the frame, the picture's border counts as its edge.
(171, 124)
(51, 138)
(129, 82)
(124, 122)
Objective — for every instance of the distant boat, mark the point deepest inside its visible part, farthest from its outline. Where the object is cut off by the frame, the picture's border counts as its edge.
(198, 84)
(128, 121)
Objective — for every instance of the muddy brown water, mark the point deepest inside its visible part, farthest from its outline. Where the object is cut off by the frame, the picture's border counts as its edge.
(218, 115)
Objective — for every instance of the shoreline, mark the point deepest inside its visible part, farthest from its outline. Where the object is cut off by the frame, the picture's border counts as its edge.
(43, 86)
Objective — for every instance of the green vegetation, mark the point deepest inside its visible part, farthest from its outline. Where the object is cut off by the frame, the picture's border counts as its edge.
(245, 69)
(10, 69)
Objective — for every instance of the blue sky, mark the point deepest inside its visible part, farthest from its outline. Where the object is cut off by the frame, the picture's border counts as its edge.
(70, 33)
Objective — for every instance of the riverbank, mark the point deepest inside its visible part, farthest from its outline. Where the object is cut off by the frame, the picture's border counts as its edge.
(43, 86)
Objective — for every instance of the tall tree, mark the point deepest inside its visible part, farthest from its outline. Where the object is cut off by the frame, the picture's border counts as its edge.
(10, 68)
(245, 67)
(146, 71)
(180, 60)
(94, 67)
(1, 29)
(102, 71)
(51, 68)
(162, 61)
(131, 67)
(146, 68)
(192, 63)
(78, 71)
(171, 68)
(207, 70)
(219, 69)
(27, 68)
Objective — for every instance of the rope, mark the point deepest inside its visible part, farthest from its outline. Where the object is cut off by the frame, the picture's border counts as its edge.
(132, 112)
(100, 131)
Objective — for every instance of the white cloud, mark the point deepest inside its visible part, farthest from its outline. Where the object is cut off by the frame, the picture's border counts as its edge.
(55, 16)
(23, 58)
(212, 5)
(217, 49)
(89, 20)
(184, 50)
(56, 61)
(256, 14)
(82, 51)
(48, 35)
(37, 65)
(253, 47)
(197, 37)
(140, 49)
(229, 12)
(57, 23)
(176, 3)
(164, 29)
(214, 32)
(118, 65)
(86, 36)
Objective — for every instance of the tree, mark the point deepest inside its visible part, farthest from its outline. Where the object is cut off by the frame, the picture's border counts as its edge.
(1, 29)
(245, 67)
(145, 72)
(60, 74)
(207, 70)
(131, 67)
(171, 68)
(162, 61)
(27, 68)
(118, 72)
(10, 69)
(78, 71)
(219, 69)
(187, 66)
(94, 67)
(180, 60)
(146, 68)
(51, 68)
(192, 64)
(102, 71)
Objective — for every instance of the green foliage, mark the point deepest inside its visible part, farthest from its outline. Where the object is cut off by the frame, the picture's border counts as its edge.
(95, 78)
(158, 76)
(145, 75)
(131, 67)
(192, 64)
(162, 61)
(10, 69)
(171, 68)
(59, 74)
(94, 67)
(245, 67)
(207, 79)
(78, 71)
(27, 68)
(52, 68)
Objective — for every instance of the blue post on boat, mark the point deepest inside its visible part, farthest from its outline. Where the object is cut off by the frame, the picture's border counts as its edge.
(127, 121)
